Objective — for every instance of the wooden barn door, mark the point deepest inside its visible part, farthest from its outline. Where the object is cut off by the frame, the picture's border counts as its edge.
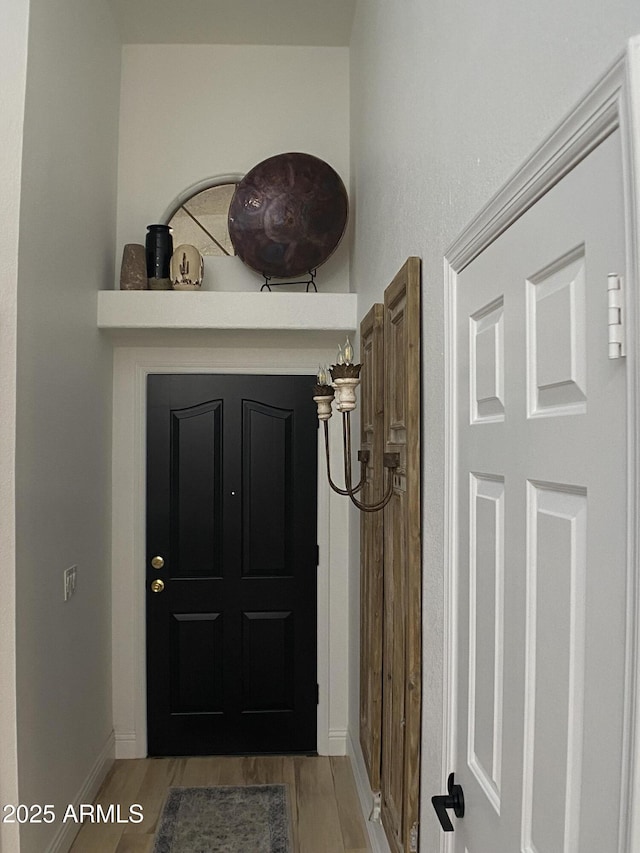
(371, 543)
(401, 700)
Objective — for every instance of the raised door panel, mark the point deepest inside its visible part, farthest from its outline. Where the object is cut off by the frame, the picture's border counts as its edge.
(197, 689)
(556, 338)
(196, 490)
(486, 633)
(268, 661)
(554, 685)
(267, 491)
(487, 363)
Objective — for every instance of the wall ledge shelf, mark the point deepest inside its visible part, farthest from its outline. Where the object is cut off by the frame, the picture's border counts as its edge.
(136, 310)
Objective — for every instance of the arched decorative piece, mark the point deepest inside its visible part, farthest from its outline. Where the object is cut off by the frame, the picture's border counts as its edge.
(198, 187)
(198, 215)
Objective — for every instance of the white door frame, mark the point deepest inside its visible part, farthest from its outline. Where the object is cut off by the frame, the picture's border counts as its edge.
(131, 367)
(613, 103)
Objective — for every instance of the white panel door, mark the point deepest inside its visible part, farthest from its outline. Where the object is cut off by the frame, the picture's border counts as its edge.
(542, 496)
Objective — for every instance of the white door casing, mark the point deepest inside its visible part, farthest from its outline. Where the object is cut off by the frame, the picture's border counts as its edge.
(541, 709)
(132, 364)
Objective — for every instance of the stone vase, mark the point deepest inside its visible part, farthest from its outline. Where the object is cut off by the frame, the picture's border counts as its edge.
(133, 272)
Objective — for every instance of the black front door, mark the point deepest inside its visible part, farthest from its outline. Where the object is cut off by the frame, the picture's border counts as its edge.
(231, 551)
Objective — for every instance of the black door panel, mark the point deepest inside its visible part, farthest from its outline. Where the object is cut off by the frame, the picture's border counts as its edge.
(231, 509)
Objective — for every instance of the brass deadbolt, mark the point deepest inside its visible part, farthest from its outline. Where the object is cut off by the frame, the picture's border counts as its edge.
(157, 562)
(157, 585)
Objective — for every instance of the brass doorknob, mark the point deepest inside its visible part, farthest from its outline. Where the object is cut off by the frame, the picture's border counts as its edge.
(157, 585)
(157, 562)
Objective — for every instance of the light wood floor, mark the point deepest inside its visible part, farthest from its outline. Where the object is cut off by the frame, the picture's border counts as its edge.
(326, 814)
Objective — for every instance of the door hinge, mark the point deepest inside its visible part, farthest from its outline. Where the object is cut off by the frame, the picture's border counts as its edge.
(317, 555)
(413, 838)
(615, 290)
(317, 694)
(375, 817)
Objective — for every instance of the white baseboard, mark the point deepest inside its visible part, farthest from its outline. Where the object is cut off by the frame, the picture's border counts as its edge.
(63, 839)
(375, 830)
(127, 746)
(337, 742)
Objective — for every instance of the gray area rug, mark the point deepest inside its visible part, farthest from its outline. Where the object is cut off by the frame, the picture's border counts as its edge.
(247, 819)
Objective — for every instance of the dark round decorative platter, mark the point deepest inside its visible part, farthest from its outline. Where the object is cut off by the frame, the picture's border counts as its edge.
(287, 215)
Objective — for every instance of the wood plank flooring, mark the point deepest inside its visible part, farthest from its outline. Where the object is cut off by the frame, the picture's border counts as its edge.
(326, 816)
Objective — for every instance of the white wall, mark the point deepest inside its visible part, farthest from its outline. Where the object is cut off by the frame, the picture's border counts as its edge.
(187, 113)
(190, 112)
(66, 249)
(13, 71)
(447, 100)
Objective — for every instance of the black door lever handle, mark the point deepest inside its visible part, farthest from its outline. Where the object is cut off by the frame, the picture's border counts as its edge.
(453, 800)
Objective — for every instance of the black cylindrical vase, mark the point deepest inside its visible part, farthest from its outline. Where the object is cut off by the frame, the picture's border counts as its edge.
(159, 248)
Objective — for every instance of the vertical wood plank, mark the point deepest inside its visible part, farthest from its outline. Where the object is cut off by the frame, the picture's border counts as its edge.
(289, 778)
(354, 836)
(135, 844)
(276, 770)
(97, 838)
(413, 591)
(402, 561)
(231, 771)
(264, 770)
(318, 820)
(201, 772)
(120, 788)
(162, 773)
(372, 543)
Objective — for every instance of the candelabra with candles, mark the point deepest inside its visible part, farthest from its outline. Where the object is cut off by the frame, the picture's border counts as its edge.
(339, 382)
